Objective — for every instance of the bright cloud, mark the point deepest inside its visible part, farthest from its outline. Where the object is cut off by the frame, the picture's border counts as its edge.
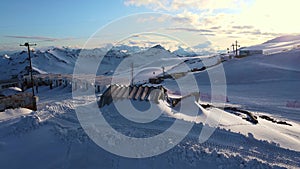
(42, 38)
(252, 21)
(173, 5)
(275, 16)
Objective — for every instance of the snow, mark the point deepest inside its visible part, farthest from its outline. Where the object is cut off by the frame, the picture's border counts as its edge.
(51, 60)
(279, 44)
(57, 135)
(14, 113)
(184, 52)
(52, 136)
(285, 38)
(10, 91)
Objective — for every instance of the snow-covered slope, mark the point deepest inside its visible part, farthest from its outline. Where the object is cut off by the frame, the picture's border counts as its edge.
(285, 38)
(54, 134)
(54, 60)
(279, 44)
(259, 85)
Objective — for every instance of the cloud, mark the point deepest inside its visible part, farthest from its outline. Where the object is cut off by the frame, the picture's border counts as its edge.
(189, 17)
(243, 27)
(251, 21)
(135, 36)
(259, 32)
(146, 19)
(152, 4)
(233, 36)
(146, 43)
(191, 30)
(208, 34)
(42, 38)
(206, 44)
(206, 4)
(273, 16)
(174, 5)
(182, 19)
(216, 27)
(252, 32)
(272, 34)
(139, 43)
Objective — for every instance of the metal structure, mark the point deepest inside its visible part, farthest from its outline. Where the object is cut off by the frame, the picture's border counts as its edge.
(235, 47)
(30, 64)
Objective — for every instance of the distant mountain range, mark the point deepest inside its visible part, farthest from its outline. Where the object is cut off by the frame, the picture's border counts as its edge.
(62, 60)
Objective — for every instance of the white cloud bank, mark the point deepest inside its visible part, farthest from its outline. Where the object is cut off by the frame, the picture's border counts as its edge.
(251, 22)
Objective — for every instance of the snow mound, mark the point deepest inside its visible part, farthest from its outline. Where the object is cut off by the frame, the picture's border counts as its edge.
(62, 140)
(26, 123)
(10, 91)
(14, 113)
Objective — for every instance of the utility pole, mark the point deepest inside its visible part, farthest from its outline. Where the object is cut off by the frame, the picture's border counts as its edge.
(131, 73)
(30, 65)
(236, 47)
(233, 50)
(163, 71)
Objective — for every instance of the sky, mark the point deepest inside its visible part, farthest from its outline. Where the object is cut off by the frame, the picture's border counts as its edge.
(195, 23)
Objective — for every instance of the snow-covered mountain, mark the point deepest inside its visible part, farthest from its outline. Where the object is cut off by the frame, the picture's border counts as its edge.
(54, 60)
(261, 85)
(279, 44)
(62, 60)
(285, 38)
(184, 52)
(127, 49)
